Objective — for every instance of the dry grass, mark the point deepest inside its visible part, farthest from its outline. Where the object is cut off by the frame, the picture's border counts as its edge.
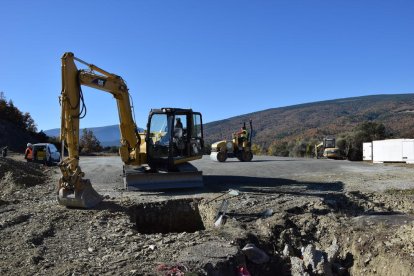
(400, 192)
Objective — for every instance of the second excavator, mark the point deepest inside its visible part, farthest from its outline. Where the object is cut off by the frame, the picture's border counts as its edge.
(154, 159)
(327, 149)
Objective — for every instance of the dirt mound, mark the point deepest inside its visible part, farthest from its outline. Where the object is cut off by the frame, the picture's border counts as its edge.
(15, 175)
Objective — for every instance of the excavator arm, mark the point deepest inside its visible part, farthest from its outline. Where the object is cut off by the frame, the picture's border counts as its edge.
(317, 147)
(75, 191)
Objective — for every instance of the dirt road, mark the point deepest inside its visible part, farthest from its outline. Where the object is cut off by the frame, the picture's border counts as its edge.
(292, 217)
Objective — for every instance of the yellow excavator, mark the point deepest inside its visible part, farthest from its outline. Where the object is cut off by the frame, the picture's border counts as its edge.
(155, 159)
(329, 148)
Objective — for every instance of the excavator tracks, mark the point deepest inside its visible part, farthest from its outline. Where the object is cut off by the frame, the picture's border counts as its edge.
(187, 176)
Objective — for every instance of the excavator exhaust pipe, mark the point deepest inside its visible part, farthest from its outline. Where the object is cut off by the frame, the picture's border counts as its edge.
(86, 197)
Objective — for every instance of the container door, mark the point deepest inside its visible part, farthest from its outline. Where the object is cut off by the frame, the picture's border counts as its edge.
(408, 150)
(367, 151)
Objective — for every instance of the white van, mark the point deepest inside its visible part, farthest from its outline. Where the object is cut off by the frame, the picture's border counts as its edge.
(45, 153)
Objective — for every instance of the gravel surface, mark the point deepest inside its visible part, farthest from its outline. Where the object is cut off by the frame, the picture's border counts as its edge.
(292, 217)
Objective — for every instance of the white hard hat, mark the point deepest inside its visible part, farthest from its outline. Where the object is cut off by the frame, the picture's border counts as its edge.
(29, 145)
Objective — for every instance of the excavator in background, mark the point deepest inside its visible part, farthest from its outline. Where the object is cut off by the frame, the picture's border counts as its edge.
(327, 149)
(155, 159)
(239, 146)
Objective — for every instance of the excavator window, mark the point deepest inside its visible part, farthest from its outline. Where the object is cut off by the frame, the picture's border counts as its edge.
(181, 123)
(196, 142)
(197, 130)
(158, 139)
(180, 135)
(160, 129)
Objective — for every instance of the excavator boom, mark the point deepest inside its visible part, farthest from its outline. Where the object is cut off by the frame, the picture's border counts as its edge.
(73, 190)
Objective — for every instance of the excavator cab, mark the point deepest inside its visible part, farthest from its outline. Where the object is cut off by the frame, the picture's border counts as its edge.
(174, 136)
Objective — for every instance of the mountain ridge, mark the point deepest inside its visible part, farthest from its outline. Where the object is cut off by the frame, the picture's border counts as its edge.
(312, 120)
(322, 118)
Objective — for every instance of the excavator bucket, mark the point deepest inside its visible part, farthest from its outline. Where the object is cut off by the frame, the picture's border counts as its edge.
(187, 176)
(86, 197)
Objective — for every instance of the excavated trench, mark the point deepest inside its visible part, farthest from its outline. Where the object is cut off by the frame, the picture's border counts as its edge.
(191, 215)
(171, 216)
(324, 230)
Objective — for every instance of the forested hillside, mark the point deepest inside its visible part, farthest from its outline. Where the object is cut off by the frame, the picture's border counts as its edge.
(294, 130)
(17, 128)
(313, 121)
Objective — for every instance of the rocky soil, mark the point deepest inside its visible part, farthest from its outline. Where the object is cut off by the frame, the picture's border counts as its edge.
(262, 231)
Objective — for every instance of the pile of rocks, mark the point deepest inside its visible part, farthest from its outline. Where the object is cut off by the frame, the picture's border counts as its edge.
(316, 262)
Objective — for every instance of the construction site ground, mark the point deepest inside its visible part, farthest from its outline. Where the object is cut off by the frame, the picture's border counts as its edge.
(291, 217)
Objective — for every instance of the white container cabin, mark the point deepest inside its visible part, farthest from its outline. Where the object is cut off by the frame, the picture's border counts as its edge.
(393, 150)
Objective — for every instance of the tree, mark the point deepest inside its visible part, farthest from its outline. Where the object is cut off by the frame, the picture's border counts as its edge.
(343, 143)
(42, 137)
(371, 131)
(29, 122)
(298, 149)
(111, 149)
(88, 142)
(350, 144)
(3, 104)
(278, 148)
(257, 149)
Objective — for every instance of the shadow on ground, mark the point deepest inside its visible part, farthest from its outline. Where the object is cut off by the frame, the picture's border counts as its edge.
(221, 183)
(332, 194)
(234, 160)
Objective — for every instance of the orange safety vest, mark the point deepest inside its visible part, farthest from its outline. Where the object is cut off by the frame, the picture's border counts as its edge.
(29, 153)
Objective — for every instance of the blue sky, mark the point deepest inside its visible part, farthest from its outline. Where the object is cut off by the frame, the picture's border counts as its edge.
(222, 58)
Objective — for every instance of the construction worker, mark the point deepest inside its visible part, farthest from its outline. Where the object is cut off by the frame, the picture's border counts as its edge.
(28, 154)
(4, 151)
(242, 135)
(178, 123)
